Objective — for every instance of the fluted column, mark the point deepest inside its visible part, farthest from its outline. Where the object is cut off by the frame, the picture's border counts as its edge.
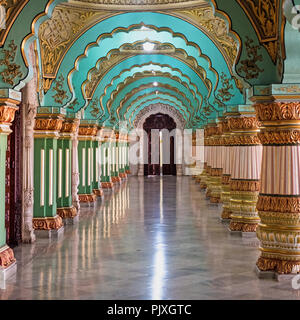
(203, 176)
(226, 174)
(86, 133)
(246, 168)
(115, 165)
(9, 100)
(122, 158)
(65, 208)
(127, 164)
(75, 168)
(279, 198)
(97, 188)
(212, 130)
(48, 124)
(106, 177)
(217, 163)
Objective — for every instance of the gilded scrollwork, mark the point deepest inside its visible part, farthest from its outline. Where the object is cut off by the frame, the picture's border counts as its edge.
(249, 67)
(60, 94)
(224, 93)
(11, 71)
(264, 16)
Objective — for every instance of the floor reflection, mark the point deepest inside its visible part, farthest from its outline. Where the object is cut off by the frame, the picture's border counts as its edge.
(154, 238)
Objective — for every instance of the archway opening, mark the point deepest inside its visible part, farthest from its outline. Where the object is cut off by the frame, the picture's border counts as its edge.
(160, 129)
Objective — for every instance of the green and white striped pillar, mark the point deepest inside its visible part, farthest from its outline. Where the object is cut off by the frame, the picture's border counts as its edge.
(106, 158)
(97, 188)
(49, 121)
(65, 208)
(86, 133)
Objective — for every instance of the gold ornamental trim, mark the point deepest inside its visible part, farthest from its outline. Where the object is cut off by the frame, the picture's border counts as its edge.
(244, 124)
(280, 137)
(98, 192)
(244, 185)
(107, 185)
(70, 126)
(87, 130)
(275, 111)
(49, 124)
(243, 140)
(48, 223)
(278, 204)
(7, 258)
(279, 266)
(225, 179)
(7, 113)
(67, 213)
(243, 227)
(85, 198)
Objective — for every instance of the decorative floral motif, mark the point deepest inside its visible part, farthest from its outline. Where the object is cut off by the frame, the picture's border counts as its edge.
(11, 70)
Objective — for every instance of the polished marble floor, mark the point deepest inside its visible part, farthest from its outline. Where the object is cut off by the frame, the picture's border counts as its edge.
(154, 238)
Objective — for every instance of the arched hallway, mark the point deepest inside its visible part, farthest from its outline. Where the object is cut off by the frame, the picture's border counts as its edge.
(153, 238)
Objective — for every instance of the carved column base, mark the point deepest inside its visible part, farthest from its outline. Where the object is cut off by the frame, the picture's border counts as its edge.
(123, 176)
(7, 257)
(226, 214)
(48, 223)
(86, 198)
(49, 227)
(116, 180)
(107, 185)
(278, 266)
(98, 192)
(67, 213)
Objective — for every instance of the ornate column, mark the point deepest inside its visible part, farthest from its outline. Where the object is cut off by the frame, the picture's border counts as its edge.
(246, 168)
(217, 163)
(65, 208)
(127, 165)
(122, 158)
(75, 166)
(279, 198)
(106, 134)
(203, 176)
(9, 99)
(115, 164)
(87, 132)
(29, 113)
(212, 130)
(48, 123)
(226, 174)
(97, 188)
